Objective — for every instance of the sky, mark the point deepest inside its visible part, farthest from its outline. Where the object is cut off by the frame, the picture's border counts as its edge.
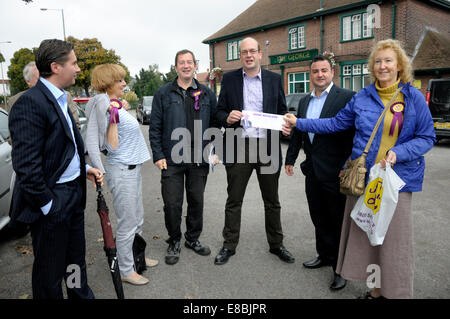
(142, 32)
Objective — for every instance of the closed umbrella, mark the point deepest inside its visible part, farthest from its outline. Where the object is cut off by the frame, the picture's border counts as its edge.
(109, 243)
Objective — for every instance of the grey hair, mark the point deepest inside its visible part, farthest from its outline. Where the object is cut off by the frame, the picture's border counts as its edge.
(28, 71)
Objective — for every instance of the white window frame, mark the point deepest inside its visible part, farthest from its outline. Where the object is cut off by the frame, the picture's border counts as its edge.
(293, 38)
(306, 82)
(356, 26)
(347, 28)
(367, 26)
(355, 72)
(233, 50)
(297, 37)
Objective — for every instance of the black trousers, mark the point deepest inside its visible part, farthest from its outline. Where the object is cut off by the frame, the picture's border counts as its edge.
(58, 242)
(326, 207)
(238, 176)
(173, 182)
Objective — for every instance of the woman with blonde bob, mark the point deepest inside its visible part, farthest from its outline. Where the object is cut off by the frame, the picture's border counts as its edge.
(404, 136)
(114, 132)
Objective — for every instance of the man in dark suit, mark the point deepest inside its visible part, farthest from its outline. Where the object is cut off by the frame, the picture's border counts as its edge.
(50, 190)
(255, 89)
(325, 156)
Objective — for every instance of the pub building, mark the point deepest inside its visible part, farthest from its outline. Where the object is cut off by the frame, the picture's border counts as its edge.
(292, 32)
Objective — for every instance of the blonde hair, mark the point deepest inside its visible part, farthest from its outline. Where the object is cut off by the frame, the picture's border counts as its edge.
(403, 61)
(105, 75)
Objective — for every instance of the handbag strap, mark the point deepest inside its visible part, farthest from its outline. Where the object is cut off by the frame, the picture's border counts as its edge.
(372, 136)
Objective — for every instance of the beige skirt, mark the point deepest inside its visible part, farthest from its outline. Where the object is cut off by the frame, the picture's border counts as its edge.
(395, 257)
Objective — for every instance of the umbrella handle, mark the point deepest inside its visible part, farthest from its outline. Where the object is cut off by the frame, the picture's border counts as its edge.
(99, 187)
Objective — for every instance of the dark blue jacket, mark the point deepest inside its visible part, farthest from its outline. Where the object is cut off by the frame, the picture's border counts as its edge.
(416, 137)
(168, 114)
(42, 148)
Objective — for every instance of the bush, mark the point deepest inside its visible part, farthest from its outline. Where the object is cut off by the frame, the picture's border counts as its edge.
(132, 99)
(3, 99)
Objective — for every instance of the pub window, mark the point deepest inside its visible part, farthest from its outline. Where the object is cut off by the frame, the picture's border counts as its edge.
(356, 26)
(297, 37)
(355, 75)
(233, 50)
(298, 82)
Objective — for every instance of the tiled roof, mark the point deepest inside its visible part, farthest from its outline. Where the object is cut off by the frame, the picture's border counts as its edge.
(432, 52)
(266, 13)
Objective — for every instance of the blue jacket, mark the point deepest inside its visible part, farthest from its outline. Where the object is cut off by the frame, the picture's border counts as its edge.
(416, 137)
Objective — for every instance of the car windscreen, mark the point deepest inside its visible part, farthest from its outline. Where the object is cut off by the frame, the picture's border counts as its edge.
(441, 92)
(147, 102)
(440, 98)
(292, 101)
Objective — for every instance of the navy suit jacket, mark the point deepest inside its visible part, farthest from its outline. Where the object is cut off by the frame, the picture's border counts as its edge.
(327, 154)
(42, 148)
(232, 98)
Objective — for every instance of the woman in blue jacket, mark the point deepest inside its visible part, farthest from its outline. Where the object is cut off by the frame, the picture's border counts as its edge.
(405, 135)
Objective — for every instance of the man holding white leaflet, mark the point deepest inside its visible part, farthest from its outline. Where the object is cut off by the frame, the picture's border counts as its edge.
(251, 88)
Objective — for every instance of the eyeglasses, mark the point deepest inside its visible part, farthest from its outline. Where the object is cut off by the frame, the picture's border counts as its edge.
(252, 52)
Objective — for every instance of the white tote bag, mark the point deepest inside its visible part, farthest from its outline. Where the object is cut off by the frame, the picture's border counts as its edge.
(374, 209)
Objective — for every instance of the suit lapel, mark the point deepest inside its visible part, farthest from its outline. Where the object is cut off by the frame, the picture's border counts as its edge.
(57, 108)
(330, 102)
(303, 108)
(266, 87)
(239, 82)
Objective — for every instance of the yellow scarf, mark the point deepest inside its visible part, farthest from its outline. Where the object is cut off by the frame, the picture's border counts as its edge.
(388, 141)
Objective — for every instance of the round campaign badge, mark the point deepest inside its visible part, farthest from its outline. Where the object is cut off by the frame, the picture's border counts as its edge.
(398, 107)
(116, 103)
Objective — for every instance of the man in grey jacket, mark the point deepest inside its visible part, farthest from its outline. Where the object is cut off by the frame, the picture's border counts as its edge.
(31, 76)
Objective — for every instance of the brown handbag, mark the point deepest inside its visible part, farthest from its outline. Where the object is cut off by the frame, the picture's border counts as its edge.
(353, 176)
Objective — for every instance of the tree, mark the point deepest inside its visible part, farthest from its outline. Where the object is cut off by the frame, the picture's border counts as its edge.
(15, 70)
(171, 75)
(148, 81)
(2, 59)
(91, 53)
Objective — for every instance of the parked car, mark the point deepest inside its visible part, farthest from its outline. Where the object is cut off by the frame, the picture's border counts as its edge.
(7, 176)
(292, 101)
(144, 109)
(438, 99)
(292, 106)
(80, 103)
